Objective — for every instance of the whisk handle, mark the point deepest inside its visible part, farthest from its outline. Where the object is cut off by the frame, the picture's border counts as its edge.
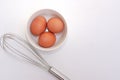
(58, 74)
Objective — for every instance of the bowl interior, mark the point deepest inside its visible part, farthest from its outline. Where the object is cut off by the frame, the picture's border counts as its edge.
(60, 37)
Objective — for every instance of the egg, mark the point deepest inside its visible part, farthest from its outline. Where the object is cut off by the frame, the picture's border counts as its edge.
(38, 25)
(55, 25)
(47, 39)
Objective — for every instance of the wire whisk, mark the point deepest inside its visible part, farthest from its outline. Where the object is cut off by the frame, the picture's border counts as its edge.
(20, 48)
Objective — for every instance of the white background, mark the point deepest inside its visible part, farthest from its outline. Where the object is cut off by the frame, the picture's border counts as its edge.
(92, 48)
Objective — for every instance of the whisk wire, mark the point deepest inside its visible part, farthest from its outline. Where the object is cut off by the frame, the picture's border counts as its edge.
(34, 52)
(31, 50)
(28, 59)
(41, 63)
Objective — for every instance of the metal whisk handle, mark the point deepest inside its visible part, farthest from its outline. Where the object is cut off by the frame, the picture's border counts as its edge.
(57, 74)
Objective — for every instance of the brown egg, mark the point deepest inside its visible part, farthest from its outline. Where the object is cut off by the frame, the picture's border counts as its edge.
(47, 39)
(38, 25)
(55, 25)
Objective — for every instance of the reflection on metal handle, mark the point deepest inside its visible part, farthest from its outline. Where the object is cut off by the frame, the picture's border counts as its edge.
(58, 74)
